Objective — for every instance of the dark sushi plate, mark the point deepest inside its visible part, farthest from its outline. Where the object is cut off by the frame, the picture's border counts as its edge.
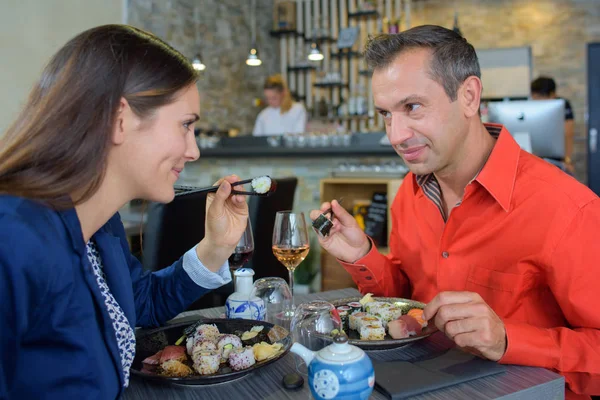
(387, 342)
(149, 342)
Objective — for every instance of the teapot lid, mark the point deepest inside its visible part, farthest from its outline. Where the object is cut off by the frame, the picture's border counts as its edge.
(340, 351)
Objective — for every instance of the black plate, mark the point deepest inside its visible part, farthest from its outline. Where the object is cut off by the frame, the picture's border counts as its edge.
(388, 342)
(149, 342)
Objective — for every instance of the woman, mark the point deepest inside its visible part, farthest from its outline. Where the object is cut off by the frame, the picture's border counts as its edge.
(111, 119)
(282, 115)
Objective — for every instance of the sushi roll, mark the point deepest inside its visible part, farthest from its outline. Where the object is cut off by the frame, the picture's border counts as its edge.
(354, 318)
(207, 362)
(202, 345)
(368, 320)
(384, 314)
(207, 331)
(356, 307)
(372, 332)
(344, 319)
(375, 306)
(396, 312)
(255, 335)
(227, 343)
(241, 358)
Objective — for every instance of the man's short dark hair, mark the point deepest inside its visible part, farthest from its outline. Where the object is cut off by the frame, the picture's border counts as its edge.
(453, 58)
(543, 85)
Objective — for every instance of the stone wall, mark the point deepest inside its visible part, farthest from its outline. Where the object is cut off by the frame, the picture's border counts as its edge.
(556, 30)
(221, 31)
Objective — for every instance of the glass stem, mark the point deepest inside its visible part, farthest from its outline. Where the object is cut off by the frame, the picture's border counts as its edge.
(291, 271)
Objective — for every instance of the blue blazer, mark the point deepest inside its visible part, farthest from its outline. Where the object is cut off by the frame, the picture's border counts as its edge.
(56, 337)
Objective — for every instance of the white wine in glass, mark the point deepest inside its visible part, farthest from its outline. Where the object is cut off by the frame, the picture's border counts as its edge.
(290, 241)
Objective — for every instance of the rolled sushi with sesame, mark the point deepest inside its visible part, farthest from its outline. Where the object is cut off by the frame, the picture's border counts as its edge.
(207, 331)
(355, 306)
(241, 358)
(202, 345)
(396, 312)
(372, 332)
(354, 318)
(384, 314)
(369, 320)
(207, 362)
(375, 306)
(227, 343)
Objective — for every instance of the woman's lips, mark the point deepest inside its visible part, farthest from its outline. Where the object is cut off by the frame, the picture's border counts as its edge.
(177, 171)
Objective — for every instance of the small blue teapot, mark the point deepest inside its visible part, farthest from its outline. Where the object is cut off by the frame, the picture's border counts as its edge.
(338, 371)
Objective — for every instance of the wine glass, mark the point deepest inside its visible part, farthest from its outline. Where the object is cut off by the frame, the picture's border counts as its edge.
(312, 326)
(290, 242)
(243, 250)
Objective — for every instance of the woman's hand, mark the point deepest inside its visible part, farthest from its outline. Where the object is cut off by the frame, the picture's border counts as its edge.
(226, 219)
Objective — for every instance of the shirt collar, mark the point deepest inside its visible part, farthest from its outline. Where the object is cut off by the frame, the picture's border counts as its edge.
(498, 173)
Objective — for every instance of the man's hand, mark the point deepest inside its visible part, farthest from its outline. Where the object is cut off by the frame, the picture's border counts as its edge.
(467, 320)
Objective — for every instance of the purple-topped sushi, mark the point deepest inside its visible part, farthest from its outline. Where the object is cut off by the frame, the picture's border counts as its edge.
(226, 344)
(207, 362)
(241, 358)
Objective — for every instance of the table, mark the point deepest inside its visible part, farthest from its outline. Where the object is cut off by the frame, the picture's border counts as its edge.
(517, 383)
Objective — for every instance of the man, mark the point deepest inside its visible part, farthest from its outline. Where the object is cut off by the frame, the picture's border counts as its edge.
(501, 244)
(544, 88)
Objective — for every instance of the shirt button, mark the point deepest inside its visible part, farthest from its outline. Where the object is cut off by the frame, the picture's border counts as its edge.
(363, 270)
(368, 278)
(445, 254)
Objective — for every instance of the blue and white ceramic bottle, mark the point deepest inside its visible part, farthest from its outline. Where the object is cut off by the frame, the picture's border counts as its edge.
(240, 304)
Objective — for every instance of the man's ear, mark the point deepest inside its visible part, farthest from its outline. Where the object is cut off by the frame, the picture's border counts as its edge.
(125, 122)
(469, 94)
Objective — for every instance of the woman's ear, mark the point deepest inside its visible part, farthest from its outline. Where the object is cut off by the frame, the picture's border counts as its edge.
(125, 122)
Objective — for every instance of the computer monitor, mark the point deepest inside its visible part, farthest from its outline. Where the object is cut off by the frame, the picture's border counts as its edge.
(542, 120)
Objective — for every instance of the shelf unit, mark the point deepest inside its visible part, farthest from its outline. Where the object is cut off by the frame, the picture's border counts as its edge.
(333, 16)
(333, 275)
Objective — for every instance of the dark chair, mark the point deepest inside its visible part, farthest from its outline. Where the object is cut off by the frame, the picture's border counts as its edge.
(262, 216)
(171, 230)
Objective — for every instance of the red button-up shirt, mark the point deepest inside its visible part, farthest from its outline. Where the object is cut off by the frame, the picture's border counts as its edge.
(526, 237)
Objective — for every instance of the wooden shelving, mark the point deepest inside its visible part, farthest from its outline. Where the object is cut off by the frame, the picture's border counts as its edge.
(302, 68)
(346, 54)
(286, 32)
(333, 275)
(363, 14)
(330, 85)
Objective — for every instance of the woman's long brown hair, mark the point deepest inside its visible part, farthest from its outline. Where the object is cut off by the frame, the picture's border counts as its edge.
(58, 145)
(278, 83)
